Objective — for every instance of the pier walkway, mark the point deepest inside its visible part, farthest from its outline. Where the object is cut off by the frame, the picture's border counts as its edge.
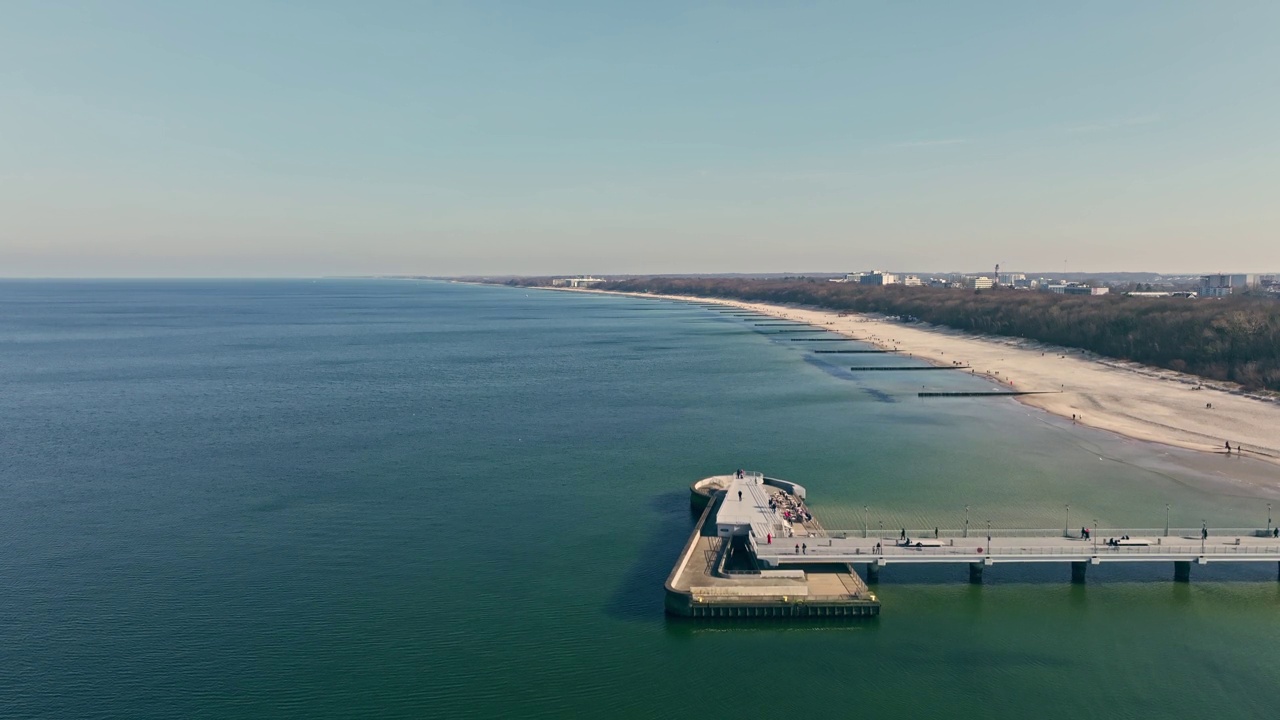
(776, 542)
(1010, 547)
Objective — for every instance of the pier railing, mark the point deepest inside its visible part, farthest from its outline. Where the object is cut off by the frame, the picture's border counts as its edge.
(970, 550)
(976, 532)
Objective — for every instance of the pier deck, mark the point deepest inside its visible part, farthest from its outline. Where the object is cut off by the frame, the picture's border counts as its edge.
(776, 543)
(702, 586)
(1243, 548)
(793, 566)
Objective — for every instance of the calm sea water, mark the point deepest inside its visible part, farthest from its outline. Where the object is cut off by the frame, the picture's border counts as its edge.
(405, 499)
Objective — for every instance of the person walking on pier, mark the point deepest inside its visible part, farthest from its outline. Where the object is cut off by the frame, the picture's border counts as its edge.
(903, 536)
(739, 496)
(797, 548)
(804, 548)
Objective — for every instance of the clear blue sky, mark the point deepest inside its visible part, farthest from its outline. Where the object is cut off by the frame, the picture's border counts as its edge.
(303, 138)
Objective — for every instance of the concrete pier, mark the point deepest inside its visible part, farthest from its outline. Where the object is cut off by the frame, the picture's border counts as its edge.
(975, 573)
(758, 551)
(1078, 569)
(1182, 545)
(717, 576)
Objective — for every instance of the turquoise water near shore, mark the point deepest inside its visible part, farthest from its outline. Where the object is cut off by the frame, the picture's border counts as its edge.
(407, 499)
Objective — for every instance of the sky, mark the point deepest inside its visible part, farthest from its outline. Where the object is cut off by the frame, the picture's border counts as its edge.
(265, 138)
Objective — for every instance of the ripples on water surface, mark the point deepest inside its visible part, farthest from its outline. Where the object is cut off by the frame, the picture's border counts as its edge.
(402, 499)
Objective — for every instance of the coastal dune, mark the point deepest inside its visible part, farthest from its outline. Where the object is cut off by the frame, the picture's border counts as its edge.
(1133, 400)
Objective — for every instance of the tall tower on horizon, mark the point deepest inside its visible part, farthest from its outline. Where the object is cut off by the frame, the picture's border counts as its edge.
(997, 277)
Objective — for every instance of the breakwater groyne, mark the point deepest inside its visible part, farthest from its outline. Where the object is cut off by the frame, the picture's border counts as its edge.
(986, 393)
(910, 368)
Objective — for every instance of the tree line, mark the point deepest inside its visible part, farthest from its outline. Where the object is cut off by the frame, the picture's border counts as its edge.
(1235, 339)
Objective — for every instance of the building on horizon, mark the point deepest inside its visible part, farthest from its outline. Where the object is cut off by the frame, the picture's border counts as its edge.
(1185, 294)
(979, 282)
(1077, 289)
(911, 281)
(877, 277)
(579, 281)
(1222, 285)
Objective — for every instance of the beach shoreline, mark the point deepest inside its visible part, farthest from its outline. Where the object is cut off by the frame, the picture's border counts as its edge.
(1128, 399)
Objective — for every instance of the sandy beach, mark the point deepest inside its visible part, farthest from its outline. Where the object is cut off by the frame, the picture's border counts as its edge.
(1136, 401)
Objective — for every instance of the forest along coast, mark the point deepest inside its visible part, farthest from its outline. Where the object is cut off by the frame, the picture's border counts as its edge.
(1233, 339)
(1129, 399)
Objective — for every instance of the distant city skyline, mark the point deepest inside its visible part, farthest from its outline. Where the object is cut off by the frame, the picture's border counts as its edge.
(247, 139)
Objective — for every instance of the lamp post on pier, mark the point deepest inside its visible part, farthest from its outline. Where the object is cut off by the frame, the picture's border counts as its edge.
(1066, 526)
(866, 515)
(1094, 532)
(966, 521)
(1204, 534)
(1166, 519)
(988, 537)
(1268, 518)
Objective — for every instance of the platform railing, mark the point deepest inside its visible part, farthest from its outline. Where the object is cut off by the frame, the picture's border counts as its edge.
(971, 550)
(976, 532)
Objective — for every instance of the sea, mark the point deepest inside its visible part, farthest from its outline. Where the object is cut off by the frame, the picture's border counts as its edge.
(398, 498)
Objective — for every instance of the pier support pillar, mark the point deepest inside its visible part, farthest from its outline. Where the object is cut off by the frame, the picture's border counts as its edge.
(975, 573)
(1182, 571)
(873, 573)
(1077, 572)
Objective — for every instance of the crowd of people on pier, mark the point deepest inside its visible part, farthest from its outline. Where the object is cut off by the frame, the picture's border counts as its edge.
(790, 507)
